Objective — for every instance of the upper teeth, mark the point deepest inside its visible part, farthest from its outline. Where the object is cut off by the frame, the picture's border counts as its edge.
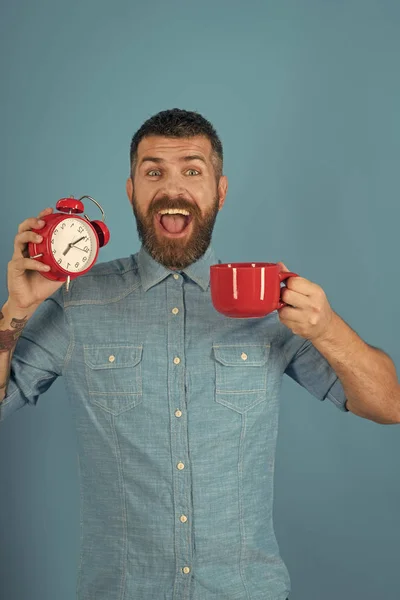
(174, 211)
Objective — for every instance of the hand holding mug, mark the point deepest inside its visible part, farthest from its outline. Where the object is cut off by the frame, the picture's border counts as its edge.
(307, 312)
(247, 290)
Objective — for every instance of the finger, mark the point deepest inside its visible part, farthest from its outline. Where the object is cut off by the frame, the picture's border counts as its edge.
(21, 240)
(295, 327)
(283, 267)
(294, 298)
(44, 212)
(302, 285)
(31, 223)
(288, 313)
(20, 265)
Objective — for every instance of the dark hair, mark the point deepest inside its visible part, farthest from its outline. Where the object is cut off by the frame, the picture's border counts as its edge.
(178, 123)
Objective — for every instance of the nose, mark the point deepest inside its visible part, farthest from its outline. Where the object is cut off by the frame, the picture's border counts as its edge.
(173, 192)
(173, 187)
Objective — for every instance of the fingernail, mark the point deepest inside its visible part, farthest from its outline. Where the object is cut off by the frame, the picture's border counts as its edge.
(41, 222)
(46, 268)
(39, 238)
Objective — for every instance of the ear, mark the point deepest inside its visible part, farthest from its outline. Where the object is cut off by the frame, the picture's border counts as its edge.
(222, 190)
(129, 189)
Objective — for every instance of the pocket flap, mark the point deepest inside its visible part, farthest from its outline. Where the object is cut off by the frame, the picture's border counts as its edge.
(112, 356)
(252, 355)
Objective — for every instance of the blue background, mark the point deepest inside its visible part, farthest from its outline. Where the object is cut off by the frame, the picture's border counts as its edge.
(305, 96)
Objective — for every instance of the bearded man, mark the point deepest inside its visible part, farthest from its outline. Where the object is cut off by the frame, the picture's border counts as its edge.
(176, 406)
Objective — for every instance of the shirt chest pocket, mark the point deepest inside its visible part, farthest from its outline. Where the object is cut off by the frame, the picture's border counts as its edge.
(240, 375)
(114, 376)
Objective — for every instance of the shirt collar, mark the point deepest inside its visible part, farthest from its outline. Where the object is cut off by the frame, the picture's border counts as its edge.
(151, 272)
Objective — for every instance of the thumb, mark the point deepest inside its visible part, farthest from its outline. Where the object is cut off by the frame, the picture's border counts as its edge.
(283, 267)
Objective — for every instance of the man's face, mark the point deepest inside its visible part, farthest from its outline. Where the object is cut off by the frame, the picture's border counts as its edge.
(175, 198)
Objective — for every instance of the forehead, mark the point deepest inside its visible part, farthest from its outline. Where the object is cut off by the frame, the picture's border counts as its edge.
(170, 148)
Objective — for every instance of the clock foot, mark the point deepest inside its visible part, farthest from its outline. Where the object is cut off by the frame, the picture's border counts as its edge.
(67, 283)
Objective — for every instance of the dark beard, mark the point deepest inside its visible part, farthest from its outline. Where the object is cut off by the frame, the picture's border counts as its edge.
(175, 253)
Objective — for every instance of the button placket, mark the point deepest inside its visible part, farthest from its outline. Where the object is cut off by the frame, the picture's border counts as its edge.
(179, 435)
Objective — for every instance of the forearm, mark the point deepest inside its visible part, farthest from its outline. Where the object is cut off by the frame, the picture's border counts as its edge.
(12, 323)
(367, 374)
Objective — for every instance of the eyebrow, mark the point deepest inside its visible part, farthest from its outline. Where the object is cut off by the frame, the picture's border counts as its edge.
(157, 160)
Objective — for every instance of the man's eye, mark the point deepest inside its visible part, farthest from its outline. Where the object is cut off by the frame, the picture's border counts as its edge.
(154, 173)
(192, 172)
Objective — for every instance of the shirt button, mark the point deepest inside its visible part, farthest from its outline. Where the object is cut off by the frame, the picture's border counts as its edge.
(176, 276)
(177, 360)
(175, 311)
(183, 518)
(186, 570)
(244, 356)
(178, 413)
(180, 466)
(111, 358)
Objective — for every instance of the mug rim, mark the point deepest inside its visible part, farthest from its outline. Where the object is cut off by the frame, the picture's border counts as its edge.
(243, 265)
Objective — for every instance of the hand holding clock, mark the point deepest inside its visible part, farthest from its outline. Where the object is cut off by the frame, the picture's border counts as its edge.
(26, 286)
(41, 247)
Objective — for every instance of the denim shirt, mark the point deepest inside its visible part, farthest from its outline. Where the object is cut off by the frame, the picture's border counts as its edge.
(176, 413)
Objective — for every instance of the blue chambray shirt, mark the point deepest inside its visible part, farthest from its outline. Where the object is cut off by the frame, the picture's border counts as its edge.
(176, 413)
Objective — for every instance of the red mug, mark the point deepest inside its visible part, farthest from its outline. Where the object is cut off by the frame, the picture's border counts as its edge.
(247, 290)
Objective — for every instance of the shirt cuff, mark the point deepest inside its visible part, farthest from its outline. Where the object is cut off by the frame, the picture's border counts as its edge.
(336, 395)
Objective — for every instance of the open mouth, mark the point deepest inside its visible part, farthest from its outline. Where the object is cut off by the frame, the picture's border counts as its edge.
(174, 222)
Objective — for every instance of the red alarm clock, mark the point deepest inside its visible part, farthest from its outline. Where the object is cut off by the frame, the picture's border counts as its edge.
(70, 243)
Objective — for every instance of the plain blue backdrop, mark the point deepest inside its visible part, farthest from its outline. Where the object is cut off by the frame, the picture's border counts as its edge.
(305, 96)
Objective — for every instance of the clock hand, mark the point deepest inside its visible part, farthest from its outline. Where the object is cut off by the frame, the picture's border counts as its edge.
(68, 248)
(72, 244)
(81, 238)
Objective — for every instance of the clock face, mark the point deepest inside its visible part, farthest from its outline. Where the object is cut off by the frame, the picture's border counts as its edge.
(73, 244)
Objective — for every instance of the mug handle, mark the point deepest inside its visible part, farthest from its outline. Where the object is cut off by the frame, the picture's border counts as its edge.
(283, 275)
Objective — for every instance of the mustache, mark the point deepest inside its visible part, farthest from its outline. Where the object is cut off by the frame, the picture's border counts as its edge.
(181, 203)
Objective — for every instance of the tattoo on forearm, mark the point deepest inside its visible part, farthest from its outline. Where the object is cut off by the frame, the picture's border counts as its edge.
(18, 324)
(9, 337)
(8, 341)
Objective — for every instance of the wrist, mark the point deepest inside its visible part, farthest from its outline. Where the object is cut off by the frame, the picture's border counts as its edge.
(330, 334)
(10, 311)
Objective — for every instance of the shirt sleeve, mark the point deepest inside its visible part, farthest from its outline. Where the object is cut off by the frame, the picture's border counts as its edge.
(39, 356)
(307, 366)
